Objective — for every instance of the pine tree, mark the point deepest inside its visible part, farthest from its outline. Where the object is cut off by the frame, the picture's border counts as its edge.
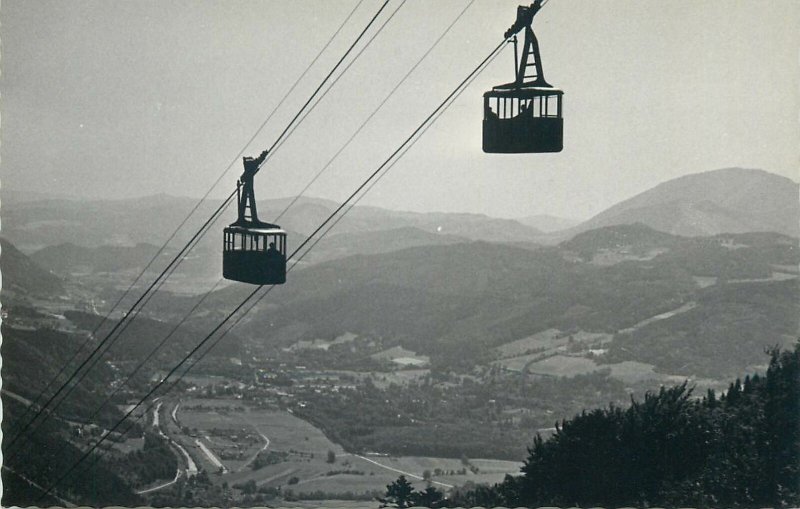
(399, 491)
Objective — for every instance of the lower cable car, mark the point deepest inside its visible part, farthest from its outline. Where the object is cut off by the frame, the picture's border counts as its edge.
(524, 116)
(253, 251)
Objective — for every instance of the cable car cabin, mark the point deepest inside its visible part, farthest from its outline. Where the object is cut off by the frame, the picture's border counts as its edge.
(254, 255)
(253, 251)
(524, 116)
(523, 120)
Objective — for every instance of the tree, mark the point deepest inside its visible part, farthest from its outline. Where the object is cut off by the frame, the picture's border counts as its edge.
(331, 457)
(670, 450)
(428, 498)
(426, 475)
(399, 491)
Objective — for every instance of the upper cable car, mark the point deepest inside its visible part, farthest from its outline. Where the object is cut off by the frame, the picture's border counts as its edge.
(253, 251)
(524, 116)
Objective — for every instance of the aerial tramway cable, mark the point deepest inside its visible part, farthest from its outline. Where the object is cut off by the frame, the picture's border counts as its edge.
(191, 212)
(194, 350)
(178, 258)
(163, 341)
(316, 241)
(313, 244)
(205, 226)
(375, 111)
(363, 124)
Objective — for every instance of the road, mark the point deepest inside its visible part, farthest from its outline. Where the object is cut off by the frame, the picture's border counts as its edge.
(175, 414)
(669, 314)
(255, 455)
(210, 455)
(407, 474)
(66, 502)
(191, 467)
(21, 399)
(160, 486)
(266, 444)
(155, 418)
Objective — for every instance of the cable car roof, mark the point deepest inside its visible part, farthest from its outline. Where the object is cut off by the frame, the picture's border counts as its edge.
(524, 93)
(272, 230)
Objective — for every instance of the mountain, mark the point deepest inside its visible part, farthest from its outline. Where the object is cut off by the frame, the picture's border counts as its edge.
(381, 241)
(456, 302)
(33, 225)
(731, 200)
(547, 223)
(36, 224)
(68, 258)
(729, 328)
(23, 275)
(626, 238)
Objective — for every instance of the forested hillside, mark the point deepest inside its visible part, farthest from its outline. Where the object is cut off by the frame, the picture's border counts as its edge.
(740, 448)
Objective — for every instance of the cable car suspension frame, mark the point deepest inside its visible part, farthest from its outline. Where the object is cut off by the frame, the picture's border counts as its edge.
(525, 115)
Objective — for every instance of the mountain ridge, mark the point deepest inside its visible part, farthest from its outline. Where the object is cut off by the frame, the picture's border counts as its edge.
(727, 200)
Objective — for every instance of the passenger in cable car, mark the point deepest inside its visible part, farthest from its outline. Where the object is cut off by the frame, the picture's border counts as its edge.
(526, 110)
(491, 114)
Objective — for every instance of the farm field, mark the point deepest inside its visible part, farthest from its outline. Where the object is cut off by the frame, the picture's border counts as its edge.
(550, 342)
(296, 456)
(545, 340)
(562, 365)
(517, 363)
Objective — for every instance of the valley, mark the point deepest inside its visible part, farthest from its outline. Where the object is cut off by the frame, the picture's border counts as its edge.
(410, 344)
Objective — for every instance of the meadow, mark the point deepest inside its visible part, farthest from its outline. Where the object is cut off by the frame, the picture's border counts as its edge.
(301, 458)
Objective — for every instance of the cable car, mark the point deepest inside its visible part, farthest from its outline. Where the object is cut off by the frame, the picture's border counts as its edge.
(253, 251)
(524, 116)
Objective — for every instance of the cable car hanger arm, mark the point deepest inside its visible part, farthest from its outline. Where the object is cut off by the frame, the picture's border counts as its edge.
(530, 49)
(524, 18)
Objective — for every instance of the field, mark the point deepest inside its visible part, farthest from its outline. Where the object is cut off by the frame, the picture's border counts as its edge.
(545, 340)
(562, 365)
(235, 434)
(542, 353)
(402, 357)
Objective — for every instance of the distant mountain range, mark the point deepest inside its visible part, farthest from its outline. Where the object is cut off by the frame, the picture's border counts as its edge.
(67, 258)
(547, 223)
(731, 200)
(455, 302)
(116, 235)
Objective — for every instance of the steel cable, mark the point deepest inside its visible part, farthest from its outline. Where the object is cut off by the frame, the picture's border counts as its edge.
(302, 245)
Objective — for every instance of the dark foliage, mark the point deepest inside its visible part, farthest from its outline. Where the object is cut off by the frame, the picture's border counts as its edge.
(154, 461)
(402, 494)
(46, 457)
(727, 331)
(739, 449)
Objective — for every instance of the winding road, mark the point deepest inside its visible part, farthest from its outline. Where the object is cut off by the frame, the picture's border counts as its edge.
(191, 467)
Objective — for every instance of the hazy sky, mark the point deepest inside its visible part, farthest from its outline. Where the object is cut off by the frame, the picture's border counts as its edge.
(120, 99)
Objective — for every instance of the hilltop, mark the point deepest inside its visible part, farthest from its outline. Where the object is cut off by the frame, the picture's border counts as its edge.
(730, 200)
(24, 276)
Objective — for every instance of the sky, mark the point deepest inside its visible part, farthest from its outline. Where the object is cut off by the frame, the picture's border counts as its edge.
(106, 99)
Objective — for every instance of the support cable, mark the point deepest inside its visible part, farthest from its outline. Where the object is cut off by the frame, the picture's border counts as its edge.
(352, 137)
(213, 217)
(191, 212)
(252, 294)
(375, 111)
